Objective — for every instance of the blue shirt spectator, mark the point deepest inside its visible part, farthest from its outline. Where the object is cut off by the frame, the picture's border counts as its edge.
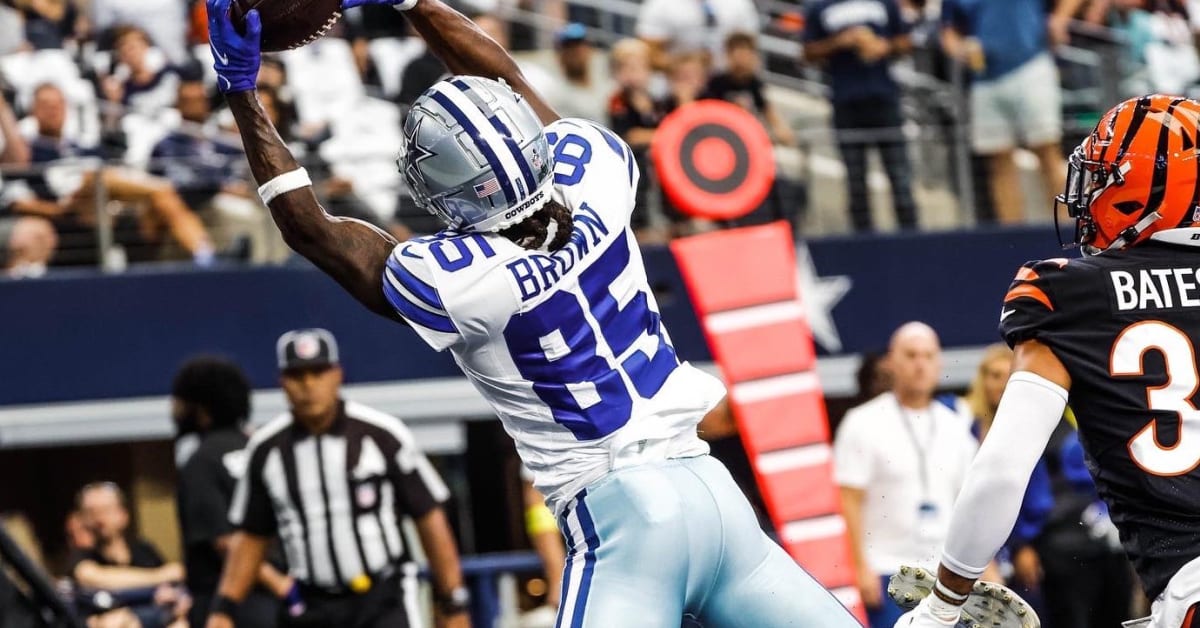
(1011, 32)
(856, 73)
(198, 167)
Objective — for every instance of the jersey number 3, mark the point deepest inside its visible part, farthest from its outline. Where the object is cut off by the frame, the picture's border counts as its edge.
(1175, 395)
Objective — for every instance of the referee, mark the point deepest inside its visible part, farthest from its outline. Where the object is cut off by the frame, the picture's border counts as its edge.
(334, 479)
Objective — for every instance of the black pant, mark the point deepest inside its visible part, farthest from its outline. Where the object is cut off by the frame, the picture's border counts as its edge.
(380, 607)
(259, 610)
(859, 126)
(1087, 592)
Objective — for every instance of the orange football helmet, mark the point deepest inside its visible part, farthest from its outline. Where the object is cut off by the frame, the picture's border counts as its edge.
(1136, 174)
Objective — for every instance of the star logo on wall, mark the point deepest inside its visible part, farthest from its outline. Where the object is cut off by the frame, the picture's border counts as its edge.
(820, 295)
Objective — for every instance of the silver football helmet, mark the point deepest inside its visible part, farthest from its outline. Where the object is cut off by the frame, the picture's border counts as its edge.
(476, 155)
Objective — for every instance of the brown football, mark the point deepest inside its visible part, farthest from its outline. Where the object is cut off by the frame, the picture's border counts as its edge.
(289, 23)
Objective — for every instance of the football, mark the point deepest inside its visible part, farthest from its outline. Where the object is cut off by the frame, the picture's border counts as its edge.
(289, 24)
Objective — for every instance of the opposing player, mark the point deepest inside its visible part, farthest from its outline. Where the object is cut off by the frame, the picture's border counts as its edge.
(1118, 329)
(538, 289)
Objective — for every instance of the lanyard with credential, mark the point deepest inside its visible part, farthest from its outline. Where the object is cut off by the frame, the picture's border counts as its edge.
(920, 449)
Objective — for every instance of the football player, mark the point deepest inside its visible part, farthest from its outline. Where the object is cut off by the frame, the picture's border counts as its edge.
(537, 288)
(1117, 329)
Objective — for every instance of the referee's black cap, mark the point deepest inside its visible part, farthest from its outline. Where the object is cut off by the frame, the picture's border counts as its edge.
(306, 349)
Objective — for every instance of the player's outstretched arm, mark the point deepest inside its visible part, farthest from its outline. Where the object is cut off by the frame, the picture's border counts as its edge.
(353, 252)
(464, 48)
(987, 507)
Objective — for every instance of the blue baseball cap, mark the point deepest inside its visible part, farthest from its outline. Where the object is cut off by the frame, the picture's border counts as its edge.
(570, 34)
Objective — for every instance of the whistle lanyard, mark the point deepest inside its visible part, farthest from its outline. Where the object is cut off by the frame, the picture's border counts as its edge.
(922, 450)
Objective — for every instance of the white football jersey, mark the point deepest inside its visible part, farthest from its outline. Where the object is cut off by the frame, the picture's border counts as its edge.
(567, 347)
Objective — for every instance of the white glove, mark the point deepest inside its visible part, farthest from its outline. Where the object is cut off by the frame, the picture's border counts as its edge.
(923, 617)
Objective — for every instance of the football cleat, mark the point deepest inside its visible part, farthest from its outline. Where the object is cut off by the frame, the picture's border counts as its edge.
(989, 605)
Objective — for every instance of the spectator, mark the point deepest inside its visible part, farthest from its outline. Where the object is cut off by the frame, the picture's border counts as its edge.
(208, 172)
(66, 196)
(856, 42)
(142, 81)
(741, 85)
(873, 376)
(210, 399)
(687, 78)
(497, 28)
(79, 537)
(165, 23)
(1006, 45)
(983, 399)
(1161, 55)
(341, 533)
(27, 245)
(48, 23)
(675, 26)
(580, 94)
(634, 115)
(900, 459)
(120, 561)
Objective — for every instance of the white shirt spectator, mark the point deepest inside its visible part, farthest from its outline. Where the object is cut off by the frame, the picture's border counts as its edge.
(880, 448)
(166, 21)
(690, 25)
(12, 30)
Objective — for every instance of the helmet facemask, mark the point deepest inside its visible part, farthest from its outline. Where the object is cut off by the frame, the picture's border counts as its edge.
(1087, 179)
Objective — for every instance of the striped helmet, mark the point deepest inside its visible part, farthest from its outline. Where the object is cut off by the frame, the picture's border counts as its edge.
(476, 155)
(1136, 174)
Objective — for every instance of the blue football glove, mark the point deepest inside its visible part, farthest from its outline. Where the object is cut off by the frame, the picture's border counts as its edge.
(236, 57)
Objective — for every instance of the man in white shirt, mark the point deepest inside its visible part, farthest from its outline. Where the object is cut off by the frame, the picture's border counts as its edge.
(900, 460)
(672, 27)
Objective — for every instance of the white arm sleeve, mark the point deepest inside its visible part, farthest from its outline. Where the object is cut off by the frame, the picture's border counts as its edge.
(991, 498)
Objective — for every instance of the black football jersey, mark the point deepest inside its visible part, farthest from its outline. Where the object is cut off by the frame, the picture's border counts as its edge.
(1125, 325)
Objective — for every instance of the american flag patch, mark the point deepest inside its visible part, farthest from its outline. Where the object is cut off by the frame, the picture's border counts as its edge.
(487, 188)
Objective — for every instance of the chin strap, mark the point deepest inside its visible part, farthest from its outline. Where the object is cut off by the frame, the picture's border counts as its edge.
(1130, 235)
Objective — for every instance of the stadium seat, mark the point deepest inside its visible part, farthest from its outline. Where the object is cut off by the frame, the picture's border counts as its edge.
(324, 80)
(363, 149)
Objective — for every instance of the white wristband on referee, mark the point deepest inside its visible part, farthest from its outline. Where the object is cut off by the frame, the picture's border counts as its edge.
(283, 184)
(406, 5)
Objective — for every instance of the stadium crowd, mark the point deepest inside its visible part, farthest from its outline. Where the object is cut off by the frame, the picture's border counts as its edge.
(117, 150)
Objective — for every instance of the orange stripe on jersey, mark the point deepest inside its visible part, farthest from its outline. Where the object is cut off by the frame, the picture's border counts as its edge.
(1029, 291)
(1026, 274)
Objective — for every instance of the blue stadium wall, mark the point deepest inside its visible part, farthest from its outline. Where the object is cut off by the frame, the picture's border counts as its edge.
(79, 336)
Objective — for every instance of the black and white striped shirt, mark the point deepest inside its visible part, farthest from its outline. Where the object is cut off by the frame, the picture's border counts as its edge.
(337, 499)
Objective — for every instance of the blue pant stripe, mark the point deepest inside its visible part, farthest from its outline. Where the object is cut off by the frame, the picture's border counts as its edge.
(589, 562)
(565, 527)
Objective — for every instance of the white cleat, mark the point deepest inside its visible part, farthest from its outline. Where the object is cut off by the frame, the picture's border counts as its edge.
(989, 605)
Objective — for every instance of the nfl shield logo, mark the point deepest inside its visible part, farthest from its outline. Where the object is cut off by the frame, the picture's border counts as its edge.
(307, 347)
(365, 495)
(537, 161)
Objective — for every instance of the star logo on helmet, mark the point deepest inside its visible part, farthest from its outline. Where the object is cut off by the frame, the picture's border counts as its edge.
(415, 155)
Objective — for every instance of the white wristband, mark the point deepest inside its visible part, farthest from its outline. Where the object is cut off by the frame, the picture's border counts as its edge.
(947, 593)
(406, 5)
(283, 184)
